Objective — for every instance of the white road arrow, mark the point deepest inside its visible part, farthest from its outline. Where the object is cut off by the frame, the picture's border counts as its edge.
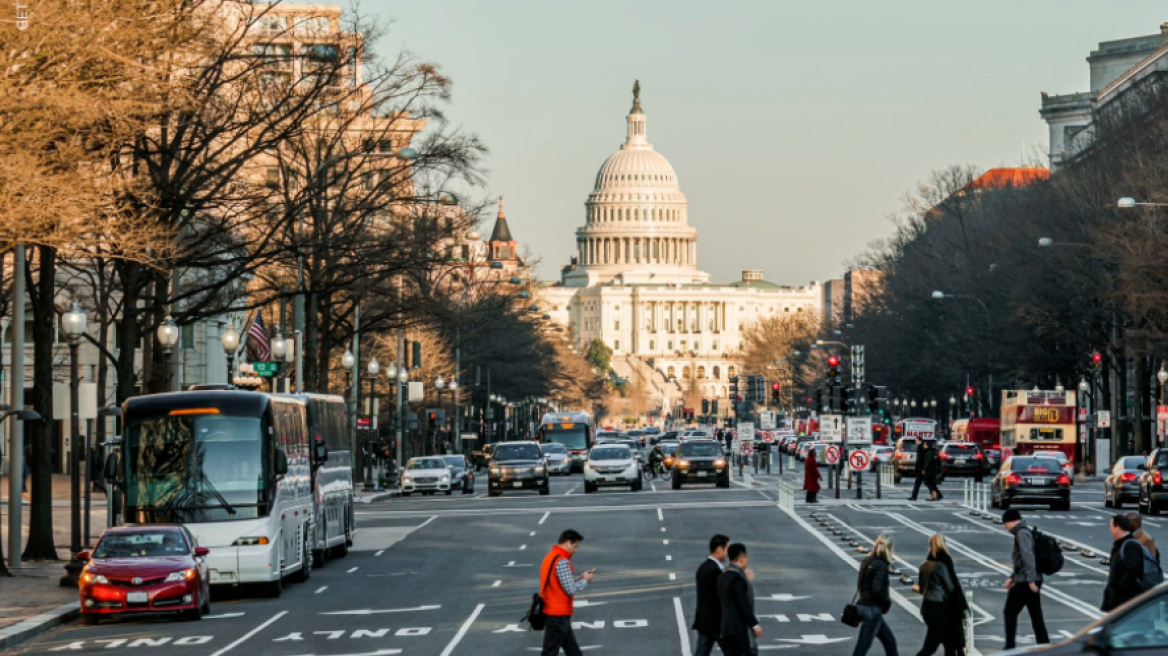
(585, 602)
(582, 648)
(222, 616)
(368, 611)
(782, 596)
(812, 640)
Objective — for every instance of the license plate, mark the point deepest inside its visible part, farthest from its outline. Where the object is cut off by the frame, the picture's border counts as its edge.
(701, 473)
(518, 484)
(959, 461)
(136, 597)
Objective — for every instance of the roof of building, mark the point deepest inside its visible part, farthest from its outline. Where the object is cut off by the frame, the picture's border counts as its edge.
(501, 231)
(637, 166)
(1016, 177)
(754, 284)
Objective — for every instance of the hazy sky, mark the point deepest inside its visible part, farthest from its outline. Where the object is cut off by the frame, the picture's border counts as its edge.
(794, 127)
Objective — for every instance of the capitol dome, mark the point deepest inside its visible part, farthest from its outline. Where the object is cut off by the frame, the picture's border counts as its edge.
(637, 221)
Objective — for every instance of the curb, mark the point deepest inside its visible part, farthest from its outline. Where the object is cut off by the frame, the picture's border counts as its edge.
(34, 626)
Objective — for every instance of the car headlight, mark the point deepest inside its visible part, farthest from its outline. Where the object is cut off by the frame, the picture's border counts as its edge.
(247, 542)
(719, 463)
(539, 469)
(592, 467)
(407, 479)
(181, 575)
(445, 479)
(683, 463)
(494, 472)
(86, 577)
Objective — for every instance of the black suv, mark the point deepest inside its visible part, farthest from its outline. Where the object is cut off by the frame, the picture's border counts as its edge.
(700, 461)
(962, 459)
(1154, 483)
(517, 466)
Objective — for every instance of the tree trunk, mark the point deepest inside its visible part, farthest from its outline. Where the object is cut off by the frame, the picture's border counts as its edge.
(127, 333)
(40, 434)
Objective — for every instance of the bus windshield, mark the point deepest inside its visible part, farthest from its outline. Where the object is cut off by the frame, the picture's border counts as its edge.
(196, 468)
(572, 436)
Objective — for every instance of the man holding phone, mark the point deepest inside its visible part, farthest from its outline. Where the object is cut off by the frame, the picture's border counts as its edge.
(558, 591)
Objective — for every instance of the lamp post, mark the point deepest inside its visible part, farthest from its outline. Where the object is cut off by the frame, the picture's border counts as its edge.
(952, 402)
(403, 385)
(74, 323)
(168, 334)
(373, 368)
(1162, 376)
(439, 384)
(455, 423)
(279, 349)
(229, 340)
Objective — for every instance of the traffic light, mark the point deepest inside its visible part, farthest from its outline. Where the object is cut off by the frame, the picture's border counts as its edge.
(819, 400)
(714, 406)
(1096, 361)
(833, 362)
(775, 389)
(873, 400)
(432, 419)
(705, 406)
(833, 402)
(845, 396)
(734, 389)
(760, 385)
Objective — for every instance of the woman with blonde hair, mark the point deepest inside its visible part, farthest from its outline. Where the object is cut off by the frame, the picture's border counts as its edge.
(943, 602)
(874, 599)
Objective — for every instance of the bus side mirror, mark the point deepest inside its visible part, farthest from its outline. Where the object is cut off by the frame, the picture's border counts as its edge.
(281, 463)
(320, 451)
(110, 470)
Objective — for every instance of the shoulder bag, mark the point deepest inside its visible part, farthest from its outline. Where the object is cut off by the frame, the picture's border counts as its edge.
(535, 615)
(851, 614)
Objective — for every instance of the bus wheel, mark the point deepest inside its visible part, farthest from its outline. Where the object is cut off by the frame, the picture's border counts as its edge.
(342, 549)
(305, 572)
(321, 555)
(276, 588)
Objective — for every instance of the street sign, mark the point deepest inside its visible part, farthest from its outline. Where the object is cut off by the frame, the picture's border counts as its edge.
(735, 445)
(831, 428)
(746, 430)
(1162, 421)
(859, 429)
(858, 459)
(746, 447)
(1103, 419)
(831, 454)
(363, 423)
(416, 391)
(768, 419)
(768, 437)
(1083, 414)
(266, 369)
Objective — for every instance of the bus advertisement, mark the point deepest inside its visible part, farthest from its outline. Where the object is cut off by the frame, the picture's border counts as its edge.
(916, 428)
(1035, 421)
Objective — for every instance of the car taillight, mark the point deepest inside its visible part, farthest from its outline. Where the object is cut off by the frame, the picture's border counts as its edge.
(979, 457)
(1063, 480)
(943, 455)
(1156, 477)
(1128, 477)
(1013, 479)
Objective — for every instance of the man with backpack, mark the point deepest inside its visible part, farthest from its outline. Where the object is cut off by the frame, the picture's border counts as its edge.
(1126, 579)
(1024, 585)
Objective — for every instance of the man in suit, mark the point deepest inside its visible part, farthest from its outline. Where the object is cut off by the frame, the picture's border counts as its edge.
(708, 618)
(736, 595)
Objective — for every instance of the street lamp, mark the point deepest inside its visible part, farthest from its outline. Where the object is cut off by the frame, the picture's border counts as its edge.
(348, 360)
(455, 423)
(1162, 376)
(1127, 203)
(74, 323)
(168, 337)
(279, 350)
(230, 342)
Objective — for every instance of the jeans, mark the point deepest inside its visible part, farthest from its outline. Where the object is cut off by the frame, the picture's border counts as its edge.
(706, 642)
(1021, 596)
(872, 625)
(557, 633)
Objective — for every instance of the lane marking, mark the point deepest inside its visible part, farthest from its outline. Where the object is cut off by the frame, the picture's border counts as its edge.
(660, 516)
(379, 652)
(665, 542)
(479, 512)
(522, 547)
(532, 534)
(668, 557)
(380, 611)
(571, 490)
(351, 570)
(462, 631)
(497, 583)
(672, 576)
(222, 616)
(243, 638)
(1081, 546)
(379, 553)
(653, 485)
(427, 521)
(544, 518)
(662, 529)
(321, 589)
(682, 630)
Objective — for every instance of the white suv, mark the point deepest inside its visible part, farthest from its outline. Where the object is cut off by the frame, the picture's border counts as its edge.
(611, 464)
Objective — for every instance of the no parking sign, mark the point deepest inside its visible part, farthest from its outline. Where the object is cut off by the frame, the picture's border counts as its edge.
(858, 459)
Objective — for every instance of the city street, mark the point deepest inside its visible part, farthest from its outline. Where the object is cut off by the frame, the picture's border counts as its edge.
(454, 575)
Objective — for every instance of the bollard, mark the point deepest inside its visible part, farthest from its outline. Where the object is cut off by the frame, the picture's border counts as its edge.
(879, 479)
(969, 621)
(755, 459)
(859, 485)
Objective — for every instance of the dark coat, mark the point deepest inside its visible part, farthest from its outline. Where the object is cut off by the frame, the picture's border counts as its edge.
(708, 618)
(931, 467)
(919, 461)
(1125, 579)
(943, 601)
(737, 607)
(872, 584)
(811, 473)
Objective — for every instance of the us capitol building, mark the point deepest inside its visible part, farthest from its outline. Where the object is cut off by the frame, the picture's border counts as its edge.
(634, 282)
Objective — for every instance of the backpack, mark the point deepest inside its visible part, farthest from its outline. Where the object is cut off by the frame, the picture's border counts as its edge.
(1152, 574)
(1048, 556)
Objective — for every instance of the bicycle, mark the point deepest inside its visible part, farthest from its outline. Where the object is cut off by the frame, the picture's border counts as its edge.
(656, 468)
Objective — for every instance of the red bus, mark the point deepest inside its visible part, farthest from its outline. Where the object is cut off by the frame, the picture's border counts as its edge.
(1035, 421)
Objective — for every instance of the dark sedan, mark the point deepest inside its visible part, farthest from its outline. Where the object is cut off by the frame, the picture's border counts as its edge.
(1154, 483)
(993, 459)
(962, 459)
(1031, 480)
(141, 570)
(700, 461)
(517, 466)
(1123, 483)
(461, 475)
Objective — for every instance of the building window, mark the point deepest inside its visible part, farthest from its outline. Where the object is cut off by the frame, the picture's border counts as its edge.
(701, 372)
(352, 67)
(731, 371)
(739, 326)
(683, 343)
(616, 325)
(714, 348)
(717, 372)
(652, 345)
(616, 345)
(685, 373)
(786, 309)
(669, 372)
(669, 346)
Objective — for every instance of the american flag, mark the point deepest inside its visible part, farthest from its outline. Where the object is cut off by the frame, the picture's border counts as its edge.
(259, 338)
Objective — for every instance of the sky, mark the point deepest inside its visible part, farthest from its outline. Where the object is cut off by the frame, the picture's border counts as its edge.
(795, 128)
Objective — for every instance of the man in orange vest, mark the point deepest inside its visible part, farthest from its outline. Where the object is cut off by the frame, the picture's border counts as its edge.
(558, 586)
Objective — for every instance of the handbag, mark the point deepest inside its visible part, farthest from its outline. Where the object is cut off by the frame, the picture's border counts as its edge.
(535, 615)
(851, 614)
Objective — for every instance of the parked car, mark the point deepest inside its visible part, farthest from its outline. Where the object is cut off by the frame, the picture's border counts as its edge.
(557, 458)
(145, 569)
(612, 464)
(700, 461)
(461, 476)
(1123, 482)
(961, 459)
(1154, 483)
(426, 475)
(1034, 479)
(517, 466)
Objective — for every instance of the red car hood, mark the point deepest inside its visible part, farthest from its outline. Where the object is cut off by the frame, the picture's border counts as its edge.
(145, 567)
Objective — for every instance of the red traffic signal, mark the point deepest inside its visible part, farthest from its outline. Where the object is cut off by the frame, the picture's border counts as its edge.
(776, 387)
(969, 391)
(833, 360)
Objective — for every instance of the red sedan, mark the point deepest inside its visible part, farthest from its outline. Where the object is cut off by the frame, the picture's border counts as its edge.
(145, 570)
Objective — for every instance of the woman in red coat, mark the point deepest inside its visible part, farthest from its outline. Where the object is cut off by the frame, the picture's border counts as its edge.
(811, 476)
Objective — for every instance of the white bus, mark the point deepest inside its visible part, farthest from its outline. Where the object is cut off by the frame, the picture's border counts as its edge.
(332, 476)
(237, 469)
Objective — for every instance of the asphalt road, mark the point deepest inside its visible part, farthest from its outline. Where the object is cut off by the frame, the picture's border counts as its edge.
(446, 576)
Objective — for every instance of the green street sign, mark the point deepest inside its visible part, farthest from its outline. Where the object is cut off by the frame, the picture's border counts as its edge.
(266, 369)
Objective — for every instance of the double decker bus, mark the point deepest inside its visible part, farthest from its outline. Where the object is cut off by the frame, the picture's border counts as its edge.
(575, 430)
(1036, 421)
(982, 431)
(250, 474)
